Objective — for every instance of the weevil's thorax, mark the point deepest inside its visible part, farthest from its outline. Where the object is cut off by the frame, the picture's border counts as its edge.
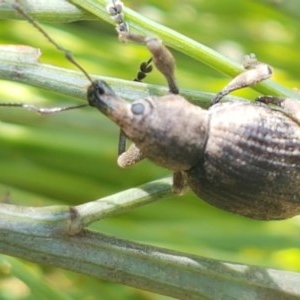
(168, 130)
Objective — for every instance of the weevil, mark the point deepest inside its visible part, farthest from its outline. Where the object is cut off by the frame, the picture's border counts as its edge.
(242, 157)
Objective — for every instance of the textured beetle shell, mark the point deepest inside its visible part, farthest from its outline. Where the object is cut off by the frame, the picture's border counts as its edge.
(251, 162)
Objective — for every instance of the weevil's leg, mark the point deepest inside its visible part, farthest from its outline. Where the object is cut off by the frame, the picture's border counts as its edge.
(290, 107)
(133, 155)
(42, 110)
(129, 158)
(179, 183)
(162, 57)
(254, 73)
(164, 62)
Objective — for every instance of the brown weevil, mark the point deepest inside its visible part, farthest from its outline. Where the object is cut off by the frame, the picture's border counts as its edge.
(241, 157)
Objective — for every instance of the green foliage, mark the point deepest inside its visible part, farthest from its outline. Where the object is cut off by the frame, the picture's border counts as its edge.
(69, 158)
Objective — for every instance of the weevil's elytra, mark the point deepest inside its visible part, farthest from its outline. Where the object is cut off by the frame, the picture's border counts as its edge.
(241, 157)
(251, 162)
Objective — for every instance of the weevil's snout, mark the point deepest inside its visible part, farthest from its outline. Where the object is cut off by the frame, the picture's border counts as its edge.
(102, 96)
(99, 95)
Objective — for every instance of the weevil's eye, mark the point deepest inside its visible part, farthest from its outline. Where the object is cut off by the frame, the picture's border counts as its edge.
(138, 108)
(142, 107)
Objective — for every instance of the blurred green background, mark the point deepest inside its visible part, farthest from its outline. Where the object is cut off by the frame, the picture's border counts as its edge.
(70, 158)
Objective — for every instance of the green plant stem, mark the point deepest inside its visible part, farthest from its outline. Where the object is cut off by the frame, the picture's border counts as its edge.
(42, 235)
(21, 64)
(170, 37)
(183, 44)
(123, 201)
(151, 268)
(72, 220)
(181, 276)
(47, 11)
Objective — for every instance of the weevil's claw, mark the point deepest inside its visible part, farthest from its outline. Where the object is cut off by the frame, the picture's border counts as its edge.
(115, 10)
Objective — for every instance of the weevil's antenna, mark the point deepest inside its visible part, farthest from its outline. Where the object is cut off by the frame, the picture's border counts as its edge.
(69, 56)
(42, 110)
(145, 68)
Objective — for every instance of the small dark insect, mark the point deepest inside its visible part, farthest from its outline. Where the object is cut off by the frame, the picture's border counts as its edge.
(241, 157)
